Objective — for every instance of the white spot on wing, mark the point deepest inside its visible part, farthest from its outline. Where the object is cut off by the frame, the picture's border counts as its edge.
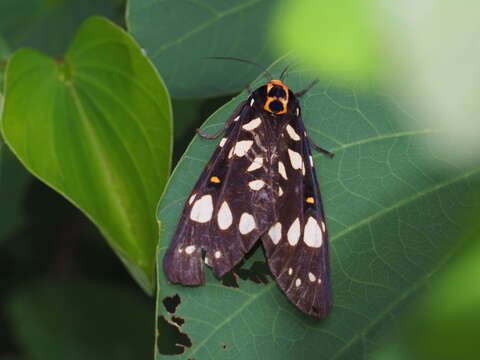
(312, 236)
(223, 141)
(236, 119)
(256, 164)
(298, 111)
(298, 282)
(247, 223)
(256, 184)
(323, 226)
(311, 277)
(242, 147)
(217, 254)
(281, 170)
(280, 191)
(319, 281)
(190, 249)
(224, 217)
(295, 159)
(190, 201)
(275, 233)
(252, 124)
(251, 102)
(180, 250)
(202, 209)
(311, 160)
(294, 232)
(290, 271)
(292, 133)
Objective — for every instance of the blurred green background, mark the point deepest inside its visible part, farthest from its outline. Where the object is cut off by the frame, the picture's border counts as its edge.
(413, 68)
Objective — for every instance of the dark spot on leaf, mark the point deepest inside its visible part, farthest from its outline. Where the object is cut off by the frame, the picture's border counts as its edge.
(258, 273)
(171, 340)
(230, 279)
(252, 251)
(224, 346)
(171, 303)
(178, 320)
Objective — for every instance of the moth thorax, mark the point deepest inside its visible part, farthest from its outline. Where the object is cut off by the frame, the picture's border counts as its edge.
(276, 101)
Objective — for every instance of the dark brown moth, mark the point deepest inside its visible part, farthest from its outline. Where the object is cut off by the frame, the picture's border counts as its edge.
(260, 183)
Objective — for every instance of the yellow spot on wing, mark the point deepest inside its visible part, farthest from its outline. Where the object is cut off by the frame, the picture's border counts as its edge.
(310, 200)
(214, 179)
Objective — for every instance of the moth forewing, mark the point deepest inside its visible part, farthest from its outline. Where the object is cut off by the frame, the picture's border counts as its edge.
(259, 183)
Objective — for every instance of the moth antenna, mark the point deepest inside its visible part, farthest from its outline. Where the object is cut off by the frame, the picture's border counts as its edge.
(264, 70)
(304, 91)
(284, 72)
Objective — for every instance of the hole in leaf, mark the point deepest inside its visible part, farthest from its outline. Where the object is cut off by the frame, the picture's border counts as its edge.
(171, 303)
(178, 320)
(171, 340)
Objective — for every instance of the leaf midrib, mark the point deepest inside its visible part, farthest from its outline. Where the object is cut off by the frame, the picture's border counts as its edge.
(119, 208)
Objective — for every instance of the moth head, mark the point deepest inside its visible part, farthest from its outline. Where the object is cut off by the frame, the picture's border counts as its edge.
(277, 97)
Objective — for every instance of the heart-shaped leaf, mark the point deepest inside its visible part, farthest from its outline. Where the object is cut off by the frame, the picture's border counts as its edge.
(391, 207)
(97, 128)
(179, 34)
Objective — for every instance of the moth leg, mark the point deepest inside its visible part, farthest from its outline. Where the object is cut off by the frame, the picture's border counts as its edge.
(304, 91)
(320, 149)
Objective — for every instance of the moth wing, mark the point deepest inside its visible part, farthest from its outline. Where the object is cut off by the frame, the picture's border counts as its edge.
(296, 244)
(229, 207)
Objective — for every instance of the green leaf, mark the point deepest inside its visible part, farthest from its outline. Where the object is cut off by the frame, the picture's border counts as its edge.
(189, 115)
(338, 41)
(80, 320)
(97, 128)
(179, 34)
(391, 206)
(444, 323)
(48, 25)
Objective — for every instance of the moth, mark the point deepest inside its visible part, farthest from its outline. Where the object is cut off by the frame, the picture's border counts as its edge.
(260, 184)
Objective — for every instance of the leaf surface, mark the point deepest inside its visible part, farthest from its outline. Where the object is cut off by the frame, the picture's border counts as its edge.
(97, 128)
(179, 34)
(391, 206)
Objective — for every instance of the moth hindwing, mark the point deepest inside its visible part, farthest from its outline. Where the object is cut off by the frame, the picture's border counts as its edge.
(260, 183)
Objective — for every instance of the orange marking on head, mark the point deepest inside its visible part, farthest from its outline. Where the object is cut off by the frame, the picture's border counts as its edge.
(283, 100)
